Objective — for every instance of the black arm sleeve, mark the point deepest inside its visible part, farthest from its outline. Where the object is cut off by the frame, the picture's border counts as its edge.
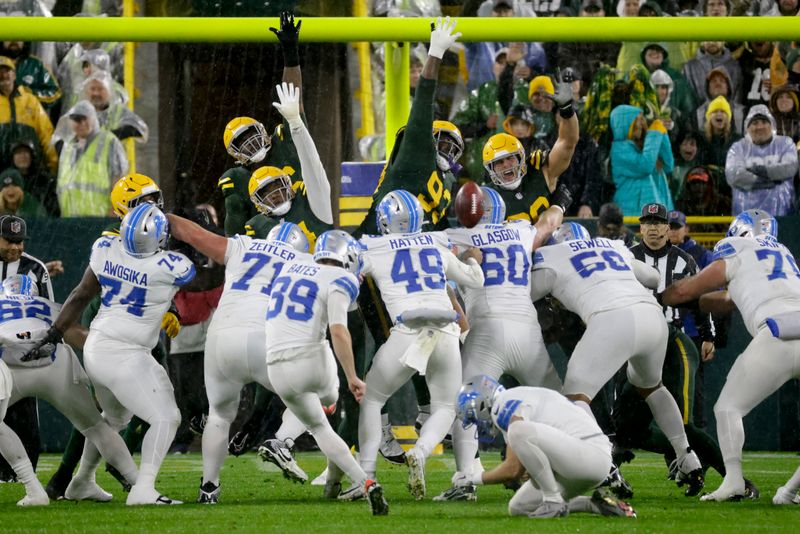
(505, 88)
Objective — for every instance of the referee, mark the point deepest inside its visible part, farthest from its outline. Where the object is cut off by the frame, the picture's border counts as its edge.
(22, 417)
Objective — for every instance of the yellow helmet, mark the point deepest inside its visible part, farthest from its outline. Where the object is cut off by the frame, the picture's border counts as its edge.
(499, 147)
(264, 194)
(131, 190)
(246, 140)
(449, 144)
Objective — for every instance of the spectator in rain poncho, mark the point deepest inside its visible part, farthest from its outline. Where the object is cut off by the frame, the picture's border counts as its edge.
(91, 161)
(761, 167)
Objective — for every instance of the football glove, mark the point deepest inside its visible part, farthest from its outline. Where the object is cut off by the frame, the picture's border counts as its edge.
(288, 36)
(45, 347)
(171, 324)
(561, 197)
(563, 96)
(442, 36)
(289, 105)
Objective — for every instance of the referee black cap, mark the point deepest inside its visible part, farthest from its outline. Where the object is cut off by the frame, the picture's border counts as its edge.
(13, 228)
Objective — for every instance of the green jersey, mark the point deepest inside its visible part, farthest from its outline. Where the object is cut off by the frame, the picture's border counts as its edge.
(412, 166)
(531, 197)
(300, 214)
(235, 181)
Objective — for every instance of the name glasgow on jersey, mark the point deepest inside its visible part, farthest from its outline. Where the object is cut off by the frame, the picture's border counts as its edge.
(587, 245)
(125, 273)
(407, 242)
(495, 236)
(271, 248)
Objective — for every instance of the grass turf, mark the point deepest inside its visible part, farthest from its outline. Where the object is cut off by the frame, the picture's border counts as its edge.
(255, 497)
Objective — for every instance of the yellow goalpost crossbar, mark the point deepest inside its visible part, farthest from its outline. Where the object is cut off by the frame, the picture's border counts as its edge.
(379, 29)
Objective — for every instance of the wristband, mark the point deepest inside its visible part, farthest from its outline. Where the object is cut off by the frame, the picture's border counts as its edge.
(566, 111)
(291, 55)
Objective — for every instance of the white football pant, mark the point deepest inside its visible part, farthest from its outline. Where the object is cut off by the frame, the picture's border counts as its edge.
(496, 346)
(757, 373)
(234, 357)
(305, 378)
(129, 381)
(387, 375)
(65, 386)
(561, 466)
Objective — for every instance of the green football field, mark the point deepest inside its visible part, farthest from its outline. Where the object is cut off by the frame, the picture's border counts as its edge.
(255, 497)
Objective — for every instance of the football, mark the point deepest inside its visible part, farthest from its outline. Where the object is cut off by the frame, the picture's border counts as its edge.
(469, 204)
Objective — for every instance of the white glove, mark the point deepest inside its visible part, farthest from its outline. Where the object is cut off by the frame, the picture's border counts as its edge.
(442, 37)
(289, 105)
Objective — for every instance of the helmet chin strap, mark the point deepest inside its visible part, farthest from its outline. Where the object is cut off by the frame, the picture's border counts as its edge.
(281, 210)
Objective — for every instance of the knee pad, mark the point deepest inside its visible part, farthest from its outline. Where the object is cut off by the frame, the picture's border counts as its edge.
(116, 424)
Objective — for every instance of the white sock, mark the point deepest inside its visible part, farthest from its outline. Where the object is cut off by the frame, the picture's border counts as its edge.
(215, 447)
(14, 452)
(730, 431)
(110, 446)
(336, 450)
(384, 419)
(668, 417)
(291, 427)
(793, 484)
(435, 429)
(465, 446)
(369, 433)
(155, 446)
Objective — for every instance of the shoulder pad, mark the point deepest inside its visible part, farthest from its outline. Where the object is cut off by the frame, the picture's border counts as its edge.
(724, 249)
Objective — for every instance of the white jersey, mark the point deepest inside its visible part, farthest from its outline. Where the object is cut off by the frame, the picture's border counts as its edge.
(411, 270)
(298, 304)
(763, 278)
(544, 406)
(250, 267)
(592, 276)
(23, 322)
(506, 268)
(136, 291)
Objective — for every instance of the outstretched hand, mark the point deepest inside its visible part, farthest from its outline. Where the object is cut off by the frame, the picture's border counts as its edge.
(289, 32)
(289, 105)
(563, 95)
(442, 36)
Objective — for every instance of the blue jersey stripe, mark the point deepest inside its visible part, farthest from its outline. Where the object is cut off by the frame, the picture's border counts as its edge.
(185, 279)
(723, 250)
(506, 412)
(348, 286)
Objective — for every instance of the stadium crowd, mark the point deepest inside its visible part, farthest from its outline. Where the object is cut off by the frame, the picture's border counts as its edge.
(648, 129)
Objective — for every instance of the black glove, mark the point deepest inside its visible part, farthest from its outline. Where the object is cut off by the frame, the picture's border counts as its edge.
(760, 171)
(288, 37)
(45, 347)
(561, 197)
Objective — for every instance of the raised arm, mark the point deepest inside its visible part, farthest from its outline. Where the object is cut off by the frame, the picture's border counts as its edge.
(568, 132)
(318, 189)
(288, 36)
(205, 242)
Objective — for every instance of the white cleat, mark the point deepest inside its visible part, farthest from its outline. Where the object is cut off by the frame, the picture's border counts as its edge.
(785, 496)
(34, 500)
(86, 490)
(148, 496)
(356, 492)
(416, 474)
(322, 479)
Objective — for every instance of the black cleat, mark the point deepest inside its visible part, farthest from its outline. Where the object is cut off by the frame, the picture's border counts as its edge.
(209, 493)
(376, 499)
(751, 492)
(111, 470)
(608, 504)
(58, 483)
(240, 443)
(617, 484)
(694, 482)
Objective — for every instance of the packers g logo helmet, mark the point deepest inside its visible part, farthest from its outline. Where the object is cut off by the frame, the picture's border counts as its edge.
(131, 190)
(246, 140)
(271, 191)
(499, 147)
(449, 144)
